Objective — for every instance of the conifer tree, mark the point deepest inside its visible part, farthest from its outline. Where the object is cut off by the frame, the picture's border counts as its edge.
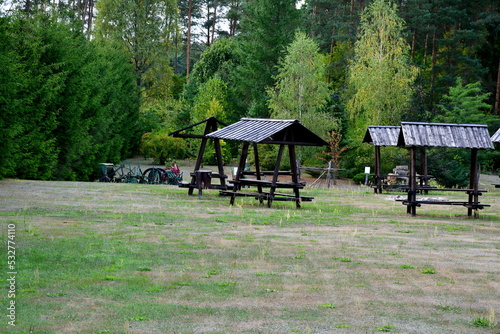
(465, 104)
(267, 28)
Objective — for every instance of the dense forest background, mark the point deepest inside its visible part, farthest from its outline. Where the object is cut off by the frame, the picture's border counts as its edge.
(90, 81)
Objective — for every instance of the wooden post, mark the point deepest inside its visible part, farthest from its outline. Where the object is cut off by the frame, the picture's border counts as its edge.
(211, 125)
(257, 169)
(377, 171)
(218, 152)
(295, 174)
(335, 169)
(412, 180)
(199, 159)
(220, 164)
(474, 182)
(423, 168)
(239, 172)
(275, 175)
(328, 176)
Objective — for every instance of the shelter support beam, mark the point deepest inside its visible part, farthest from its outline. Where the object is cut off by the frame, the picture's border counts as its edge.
(474, 182)
(295, 173)
(412, 182)
(378, 171)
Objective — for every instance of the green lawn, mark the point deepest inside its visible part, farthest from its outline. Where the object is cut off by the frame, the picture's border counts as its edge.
(122, 258)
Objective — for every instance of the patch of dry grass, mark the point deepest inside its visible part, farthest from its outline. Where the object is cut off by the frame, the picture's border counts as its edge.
(121, 258)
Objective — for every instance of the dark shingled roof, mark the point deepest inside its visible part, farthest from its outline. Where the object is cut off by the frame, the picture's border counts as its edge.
(445, 135)
(379, 135)
(496, 137)
(269, 131)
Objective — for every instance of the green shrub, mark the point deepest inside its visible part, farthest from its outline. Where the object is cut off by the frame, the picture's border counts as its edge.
(210, 156)
(359, 178)
(160, 146)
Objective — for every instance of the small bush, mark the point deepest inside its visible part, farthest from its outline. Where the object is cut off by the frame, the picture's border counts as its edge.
(160, 146)
(359, 178)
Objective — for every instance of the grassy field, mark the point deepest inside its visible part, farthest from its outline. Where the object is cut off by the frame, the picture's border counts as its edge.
(124, 258)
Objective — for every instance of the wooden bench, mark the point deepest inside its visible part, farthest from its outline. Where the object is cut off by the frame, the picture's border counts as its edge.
(264, 173)
(471, 204)
(268, 184)
(270, 196)
(266, 196)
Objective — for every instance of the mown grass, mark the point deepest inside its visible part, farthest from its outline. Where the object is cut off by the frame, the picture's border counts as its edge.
(117, 258)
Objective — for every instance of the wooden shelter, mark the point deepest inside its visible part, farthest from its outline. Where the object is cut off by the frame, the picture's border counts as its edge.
(380, 136)
(203, 178)
(496, 137)
(416, 135)
(283, 132)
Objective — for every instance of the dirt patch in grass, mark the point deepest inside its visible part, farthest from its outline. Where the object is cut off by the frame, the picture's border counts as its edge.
(155, 260)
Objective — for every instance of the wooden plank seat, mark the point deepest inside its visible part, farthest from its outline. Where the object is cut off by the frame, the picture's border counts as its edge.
(465, 190)
(267, 172)
(267, 183)
(404, 187)
(194, 186)
(475, 206)
(468, 191)
(213, 175)
(390, 186)
(266, 196)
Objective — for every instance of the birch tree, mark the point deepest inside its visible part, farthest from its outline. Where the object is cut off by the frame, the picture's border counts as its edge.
(301, 89)
(380, 76)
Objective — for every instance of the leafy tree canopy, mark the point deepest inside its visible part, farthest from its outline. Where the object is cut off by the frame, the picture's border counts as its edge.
(380, 75)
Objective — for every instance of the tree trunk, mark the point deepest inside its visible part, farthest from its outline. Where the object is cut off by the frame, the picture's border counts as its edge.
(27, 6)
(91, 17)
(413, 44)
(233, 20)
(188, 42)
(216, 4)
(426, 46)
(433, 64)
(351, 14)
(497, 94)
